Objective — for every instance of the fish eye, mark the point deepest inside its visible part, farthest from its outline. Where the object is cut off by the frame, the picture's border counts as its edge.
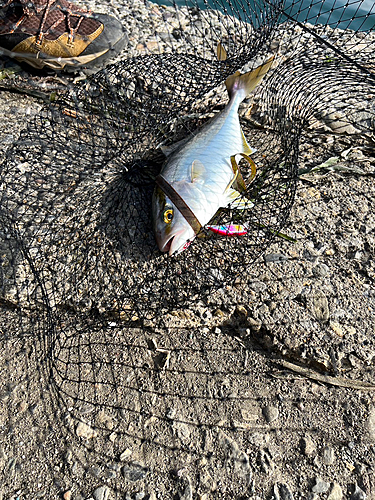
(168, 215)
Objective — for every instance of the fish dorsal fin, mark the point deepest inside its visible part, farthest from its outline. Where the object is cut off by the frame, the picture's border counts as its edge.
(168, 150)
(197, 170)
(221, 53)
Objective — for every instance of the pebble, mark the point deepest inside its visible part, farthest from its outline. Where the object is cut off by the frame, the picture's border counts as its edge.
(308, 446)
(371, 424)
(94, 471)
(320, 270)
(140, 495)
(112, 437)
(320, 486)
(187, 492)
(239, 457)
(328, 456)
(275, 257)
(67, 495)
(320, 306)
(134, 472)
(358, 493)
(182, 431)
(110, 474)
(125, 454)
(270, 413)
(335, 493)
(69, 456)
(105, 419)
(241, 311)
(101, 493)
(85, 431)
(282, 492)
(266, 462)
(254, 324)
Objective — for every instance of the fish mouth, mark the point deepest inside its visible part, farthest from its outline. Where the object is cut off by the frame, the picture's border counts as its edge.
(167, 246)
(174, 245)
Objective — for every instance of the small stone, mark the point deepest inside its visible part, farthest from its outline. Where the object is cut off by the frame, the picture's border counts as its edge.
(320, 486)
(67, 495)
(125, 454)
(105, 419)
(320, 306)
(22, 406)
(337, 328)
(134, 472)
(187, 491)
(69, 456)
(371, 424)
(140, 495)
(328, 456)
(320, 270)
(182, 431)
(251, 413)
(266, 462)
(85, 431)
(112, 437)
(241, 311)
(101, 493)
(282, 492)
(358, 493)
(110, 474)
(308, 446)
(270, 413)
(255, 325)
(94, 471)
(275, 257)
(335, 493)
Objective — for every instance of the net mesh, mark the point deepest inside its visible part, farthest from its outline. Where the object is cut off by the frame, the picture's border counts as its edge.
(128, 388)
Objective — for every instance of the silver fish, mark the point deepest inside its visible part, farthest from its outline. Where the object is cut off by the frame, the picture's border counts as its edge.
(199, 175)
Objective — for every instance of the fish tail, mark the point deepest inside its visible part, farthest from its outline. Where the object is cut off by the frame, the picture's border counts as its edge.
(246, 82)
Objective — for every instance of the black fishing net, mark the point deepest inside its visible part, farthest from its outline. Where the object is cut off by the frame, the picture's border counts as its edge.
(132, 386)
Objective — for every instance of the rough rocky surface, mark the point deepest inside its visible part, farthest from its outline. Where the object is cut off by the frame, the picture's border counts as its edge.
(264, 391)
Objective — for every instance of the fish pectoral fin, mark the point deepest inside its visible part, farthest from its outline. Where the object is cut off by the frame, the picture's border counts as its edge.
(197, 170)
(236, 200)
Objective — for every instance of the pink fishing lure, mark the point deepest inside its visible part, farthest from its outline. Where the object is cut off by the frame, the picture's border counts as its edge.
(230, 230)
